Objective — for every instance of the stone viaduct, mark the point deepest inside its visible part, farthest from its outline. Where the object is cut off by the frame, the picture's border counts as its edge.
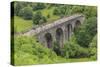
(59, 31)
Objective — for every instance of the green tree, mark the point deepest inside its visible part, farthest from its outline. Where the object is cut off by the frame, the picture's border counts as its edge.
(77, 9)
(38, 18)
(62, 10)
(56, 11)
(90, 11)
(38, 6)
(73, 50)
(86, 32)
(17, 7)
(26, 13)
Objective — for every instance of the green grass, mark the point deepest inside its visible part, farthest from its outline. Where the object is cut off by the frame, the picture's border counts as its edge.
(79, 60)
(47, 11)
(21, 25)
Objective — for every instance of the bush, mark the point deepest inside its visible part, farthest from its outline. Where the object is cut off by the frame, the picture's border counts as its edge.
(61, 11)
(29, 51)
(39, 6)
(26, 13)
(17, 7)
(73, 50)
(56, 48)
(86, 32)
(77, 9)
(48, 16)
(38, 18)
(93, 48)
(90, 12)
(56, 11)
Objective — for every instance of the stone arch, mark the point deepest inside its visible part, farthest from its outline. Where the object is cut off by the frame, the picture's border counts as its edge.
(59, 37)
(48, 38)
(77, 24)
(69, 30)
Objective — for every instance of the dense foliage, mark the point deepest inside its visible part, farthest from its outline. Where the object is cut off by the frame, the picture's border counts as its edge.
(26, 13)
(38, 6)
(86, 32)
(38, 18)
(41, 13)
(73, 50)
(93, 48)
(82, 46)
(17, 7)
(28, 51)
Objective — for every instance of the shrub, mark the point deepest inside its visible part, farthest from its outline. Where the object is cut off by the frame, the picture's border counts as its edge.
(48, 16)
(38, 6)
(56, 11)
(29, 51)
(90, 12)
(38, 18)
(17, 7)
(26, 13)
(21, 13)
(93, 48)
(56, 48)
(86, 32)
(60, 11)
(77, 9)
(73, 50)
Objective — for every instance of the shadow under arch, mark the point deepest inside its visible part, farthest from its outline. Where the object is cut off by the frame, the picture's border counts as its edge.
(77, 25)
(49, 39)
(69, 31)
(59, 37)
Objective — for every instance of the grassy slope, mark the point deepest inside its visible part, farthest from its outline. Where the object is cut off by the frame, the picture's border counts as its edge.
(49, 11)
(21, 25)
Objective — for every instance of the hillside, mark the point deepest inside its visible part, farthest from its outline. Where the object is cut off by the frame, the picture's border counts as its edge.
(82, 46)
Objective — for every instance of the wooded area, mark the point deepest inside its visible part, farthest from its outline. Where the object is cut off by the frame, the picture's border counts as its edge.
(82, 45)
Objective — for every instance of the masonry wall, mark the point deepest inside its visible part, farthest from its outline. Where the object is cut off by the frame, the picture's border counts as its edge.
(59, 31)
(65, 32)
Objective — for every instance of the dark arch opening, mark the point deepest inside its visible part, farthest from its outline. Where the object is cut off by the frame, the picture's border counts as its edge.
(59, 37)
(59, 41)
(48, 38)
(77, 24)
(69, 30)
